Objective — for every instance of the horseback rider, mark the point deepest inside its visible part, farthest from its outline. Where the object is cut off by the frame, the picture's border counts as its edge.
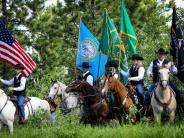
(135, 75)
(112, 69)
(19, 90)
(153, 71)
(87, 76)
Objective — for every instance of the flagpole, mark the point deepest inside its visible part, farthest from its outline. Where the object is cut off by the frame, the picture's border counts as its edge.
(119, 64)
(97, 81)
(4, 13)
(75, 64)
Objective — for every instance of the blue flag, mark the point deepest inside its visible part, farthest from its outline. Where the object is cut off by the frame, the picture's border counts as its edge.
(88, 51)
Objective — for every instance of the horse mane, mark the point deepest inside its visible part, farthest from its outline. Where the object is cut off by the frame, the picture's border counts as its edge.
(119, 88)
(89, 88)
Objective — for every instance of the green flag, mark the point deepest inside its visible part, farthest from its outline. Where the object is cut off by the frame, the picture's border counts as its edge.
(127, 31)
(110, 43)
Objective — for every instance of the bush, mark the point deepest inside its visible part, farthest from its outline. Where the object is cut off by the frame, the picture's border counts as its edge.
(40, 119)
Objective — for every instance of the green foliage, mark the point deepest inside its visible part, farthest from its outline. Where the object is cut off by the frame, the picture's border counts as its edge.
(39, 120)
(68, 127)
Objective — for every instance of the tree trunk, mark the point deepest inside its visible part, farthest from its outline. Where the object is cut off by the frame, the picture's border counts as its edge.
(4, 12)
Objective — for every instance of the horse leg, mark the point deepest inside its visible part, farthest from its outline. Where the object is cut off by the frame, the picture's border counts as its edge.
(10, 126)
(172, 116)
(1, 124)
(157, 117)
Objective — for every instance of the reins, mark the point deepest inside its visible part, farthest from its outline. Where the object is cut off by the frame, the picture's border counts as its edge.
(4, 104)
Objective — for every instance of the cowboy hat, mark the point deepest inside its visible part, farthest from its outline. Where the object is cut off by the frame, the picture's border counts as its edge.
(85, 65)
(136, 57)
(18, 66)
(111, 64)
(161, 51)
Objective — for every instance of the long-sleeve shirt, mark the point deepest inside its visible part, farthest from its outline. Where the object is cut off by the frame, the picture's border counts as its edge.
(140, 76)
(11, 82)
(89, 79)
(173, 68)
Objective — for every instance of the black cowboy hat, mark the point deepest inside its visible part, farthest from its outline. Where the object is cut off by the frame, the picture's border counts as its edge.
(18, 66)
(161, 51)
(111, 64)
(85, 65)
(136, 57)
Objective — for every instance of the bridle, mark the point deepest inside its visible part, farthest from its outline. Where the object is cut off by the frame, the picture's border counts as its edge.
(160, 81)
(123, 99)
(57, 91)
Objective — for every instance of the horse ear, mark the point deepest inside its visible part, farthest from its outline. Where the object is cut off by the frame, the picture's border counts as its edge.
(52, 80)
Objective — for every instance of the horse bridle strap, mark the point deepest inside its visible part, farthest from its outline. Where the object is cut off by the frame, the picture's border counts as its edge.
(88, 95)
(161, 103)
(4, 105)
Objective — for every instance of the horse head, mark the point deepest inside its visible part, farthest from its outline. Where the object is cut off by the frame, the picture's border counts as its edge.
(164, 76)
(75, 86)
(81, 87)
(57, 88)
(109, 84)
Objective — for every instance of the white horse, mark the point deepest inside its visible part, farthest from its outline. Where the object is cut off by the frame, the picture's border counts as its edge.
(8, 109)
(163, 100)
(69, 101)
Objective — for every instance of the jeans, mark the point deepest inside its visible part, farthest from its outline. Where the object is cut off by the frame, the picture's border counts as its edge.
(149, 92)
(111, 98)
(20, 105)
(140, 92)
(52, 118)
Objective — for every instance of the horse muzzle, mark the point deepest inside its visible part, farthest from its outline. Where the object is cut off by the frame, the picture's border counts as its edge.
(164, 84)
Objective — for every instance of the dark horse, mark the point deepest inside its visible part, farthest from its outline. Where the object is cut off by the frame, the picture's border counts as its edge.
(95, 109)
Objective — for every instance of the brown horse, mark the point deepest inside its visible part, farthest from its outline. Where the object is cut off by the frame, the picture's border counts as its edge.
(122, 98)
(95, 110)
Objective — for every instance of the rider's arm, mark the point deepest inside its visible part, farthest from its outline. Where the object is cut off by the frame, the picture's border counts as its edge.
(115, 76)
(140, 76)
(150, 70)
(22, 85)
(90, 80)
(8, 82)
(125, 74)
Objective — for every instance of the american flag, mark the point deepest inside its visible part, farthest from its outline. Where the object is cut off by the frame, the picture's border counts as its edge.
(13, 53)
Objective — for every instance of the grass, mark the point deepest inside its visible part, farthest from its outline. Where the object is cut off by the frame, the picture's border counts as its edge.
(69, 127)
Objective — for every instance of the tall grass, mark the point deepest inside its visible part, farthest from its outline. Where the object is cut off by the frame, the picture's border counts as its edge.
(69, 127)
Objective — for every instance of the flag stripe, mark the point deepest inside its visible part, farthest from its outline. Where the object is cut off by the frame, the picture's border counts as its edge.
(24, 53)
(12, 63)
(14, 52)
(14, 58)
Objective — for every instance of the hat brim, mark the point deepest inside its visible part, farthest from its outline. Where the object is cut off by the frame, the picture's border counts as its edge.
(137, 58)
(110, 64)
(20, 68)
(165, 53)
(85, 66)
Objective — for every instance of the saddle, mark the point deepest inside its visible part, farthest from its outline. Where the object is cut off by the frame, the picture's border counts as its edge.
(14, 99)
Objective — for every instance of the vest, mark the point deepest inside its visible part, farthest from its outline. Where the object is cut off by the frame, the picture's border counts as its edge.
(17, 84)
(134, 73)
(84, 78)
(156, 69)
